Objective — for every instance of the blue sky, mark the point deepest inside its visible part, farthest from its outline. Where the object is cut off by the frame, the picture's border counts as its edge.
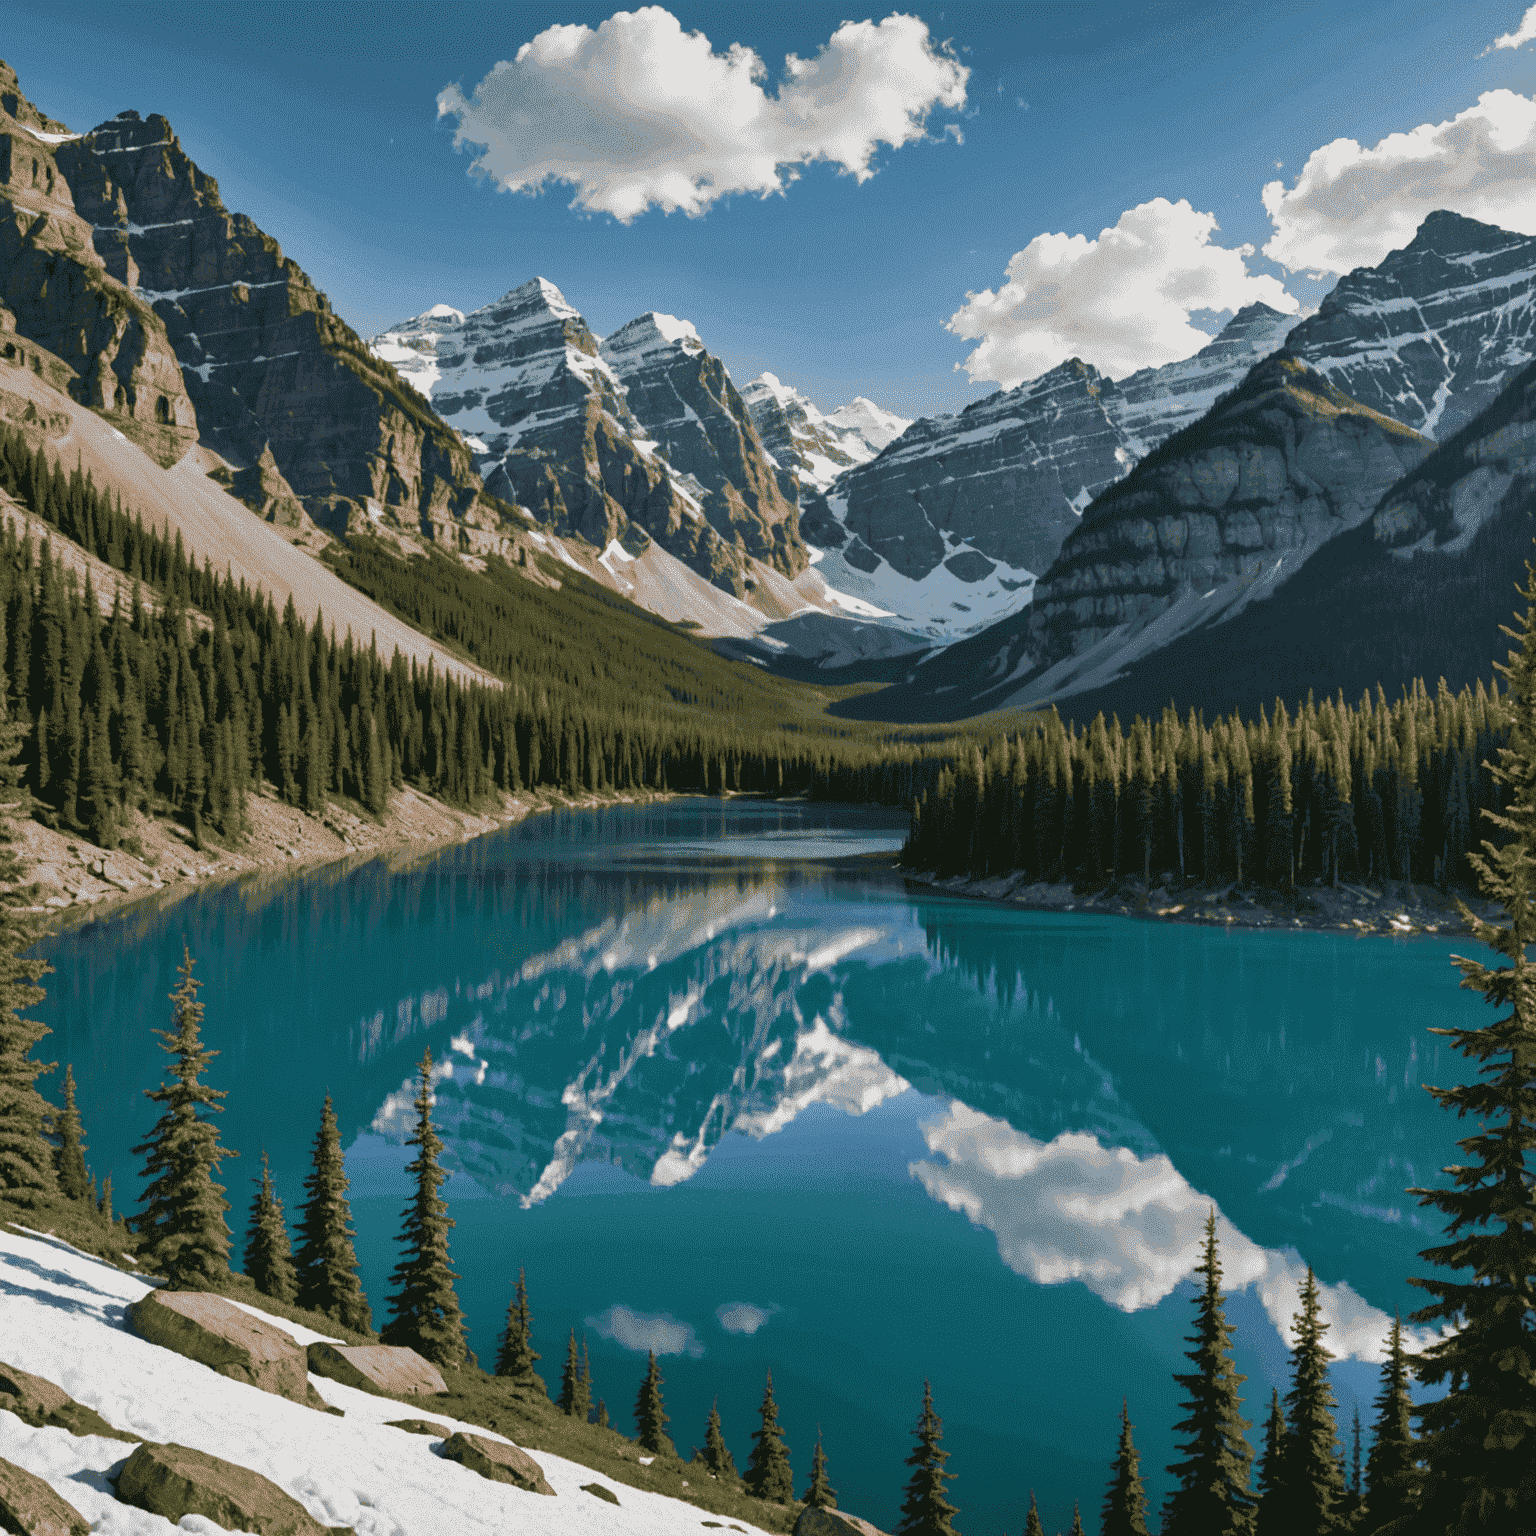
(321, 122)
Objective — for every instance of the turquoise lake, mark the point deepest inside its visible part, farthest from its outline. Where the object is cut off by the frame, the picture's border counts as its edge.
(727, 1090)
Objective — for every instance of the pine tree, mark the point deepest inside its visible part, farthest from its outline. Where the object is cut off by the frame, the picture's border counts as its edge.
(1352, 1508)
(716, 1454)
(426, 1310)
(925, 1511)
(1270, 1519)
(584, 1385)
(1077, 1522)
(1478, 1442)
(1032, 1524)
(26, 1156)
(1125, 1501)
(819, 1493)
(1212, 1497)
(327, 1262)
(182, 1209)
(602, 1414)
(104, 1205)
(768, 1475)
(570, 1379)
(650, 1412)
(268, 1258)
(1390, 1491)
(1311, 1476)
(517, 1356)
(69, 1156)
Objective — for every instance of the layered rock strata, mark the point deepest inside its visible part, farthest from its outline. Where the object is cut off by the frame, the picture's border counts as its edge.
(812, 449)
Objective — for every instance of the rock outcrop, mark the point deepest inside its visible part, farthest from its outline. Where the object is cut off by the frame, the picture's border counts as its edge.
(1434, 332)
(226, 1339)
(685, 400)
(175, 1481)
(812, 449)
(29, 1505)
(266, 362)
(832, 1522)
(497, 1460)
(387, 1368)
(1227, 508)
(41, 1404)
(523, 380)
(60, 292)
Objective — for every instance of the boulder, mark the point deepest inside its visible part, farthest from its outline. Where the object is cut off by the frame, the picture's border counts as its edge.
(29, 1505)
(832, 1522)
(607, 1495)
(175, 1481)
(419, 1427)
(222, 1336)
(386, 1368)
(41, 1404)
(497, 1460)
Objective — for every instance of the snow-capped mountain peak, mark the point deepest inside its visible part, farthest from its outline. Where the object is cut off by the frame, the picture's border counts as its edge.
(817, 447)
(876, 426)
(651, 332)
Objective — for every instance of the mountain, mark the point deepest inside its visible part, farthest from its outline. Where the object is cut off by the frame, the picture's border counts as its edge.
(1434, 332)
(808, 447)
(412, 346)
(110, 349)
(951, 523)
(685, 400)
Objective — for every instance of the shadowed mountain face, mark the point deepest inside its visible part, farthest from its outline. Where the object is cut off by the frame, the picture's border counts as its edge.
(267, 363)
(56, 290)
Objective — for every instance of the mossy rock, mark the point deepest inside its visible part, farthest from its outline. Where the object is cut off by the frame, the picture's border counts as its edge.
(420, 1427)
(40, 1403)
(497, 1460)
(599, 1492)
(29, 1505)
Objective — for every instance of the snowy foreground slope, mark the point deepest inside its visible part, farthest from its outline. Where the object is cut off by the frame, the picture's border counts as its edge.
(62, 1318)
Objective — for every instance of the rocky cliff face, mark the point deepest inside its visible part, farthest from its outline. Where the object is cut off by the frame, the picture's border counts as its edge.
(523, 380)
(685, 400)
(60, 293)
(1226, 509)
(811, 449)
(1432, 334)
(266, 363)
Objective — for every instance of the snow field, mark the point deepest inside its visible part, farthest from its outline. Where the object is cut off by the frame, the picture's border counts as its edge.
(62, 1317)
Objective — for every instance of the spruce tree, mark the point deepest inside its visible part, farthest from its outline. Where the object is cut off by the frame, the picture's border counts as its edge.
(425, 1308)
(327, 1261)
(69, 1155)
(1212, 1495)
(1352, 1509)
(716, 1454)
(602, 1414)
(182, 1209)
(819, 1493)
(1270, 1519)
(650, 1412)
(570, 1378)
(768, 1475)
(1125, 1501)
(268, 1258)
(584, 1385)
(1477, 1444)
(1311, 1474)
(1032, 1524)
(517, 1357)
(1390, 1485)
(1077, 1521)
(26, 1156)
(925, 1511)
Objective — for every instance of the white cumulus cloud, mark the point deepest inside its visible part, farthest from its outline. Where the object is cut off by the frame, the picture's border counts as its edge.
(641, 1331)
(639, 113)
(1520, 36)
(743, 1317)
(1350, 205)
(1129, 1228)
(1120, 302)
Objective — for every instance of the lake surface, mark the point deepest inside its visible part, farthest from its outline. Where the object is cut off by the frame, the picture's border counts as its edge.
(725, 1091)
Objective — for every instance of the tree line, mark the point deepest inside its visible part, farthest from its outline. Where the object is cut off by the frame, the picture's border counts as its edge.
(1376, 790)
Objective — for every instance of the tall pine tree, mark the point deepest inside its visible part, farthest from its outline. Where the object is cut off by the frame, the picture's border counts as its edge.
(327, 1261)
(716, 1454)
(1270, 1519)
(426, 1315)
(182, 1210)
(650, 1412)
(1033, 1525)
(768, 1475)
(570, 1379)
(1311, 1488)
(1478, 1442)
(26, 1156)
(1212, 1495)
(1125, 1501)
(1391, 1490)
(268, 1257)
(69, 1157)
(819, 1492)
(925, 1510)
(516, 1356)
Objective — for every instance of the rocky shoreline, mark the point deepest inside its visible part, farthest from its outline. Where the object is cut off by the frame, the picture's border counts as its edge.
(1390, 907)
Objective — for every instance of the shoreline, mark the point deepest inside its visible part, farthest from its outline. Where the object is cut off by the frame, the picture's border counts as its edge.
(1393, 908)
(73, 882)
